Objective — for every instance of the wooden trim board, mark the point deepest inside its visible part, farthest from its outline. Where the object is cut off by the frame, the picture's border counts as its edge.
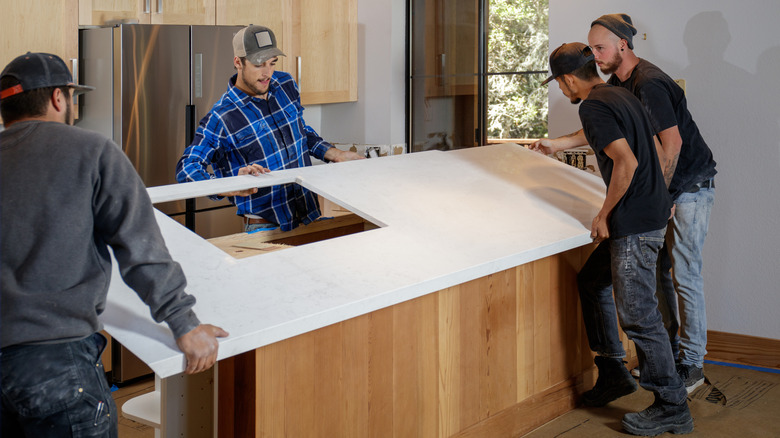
(743, 349)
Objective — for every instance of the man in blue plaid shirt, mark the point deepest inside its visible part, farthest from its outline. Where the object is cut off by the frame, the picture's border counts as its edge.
(257, 126)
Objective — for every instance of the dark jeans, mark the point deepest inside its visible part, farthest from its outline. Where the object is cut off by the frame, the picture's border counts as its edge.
(629, 263)
(57, 390)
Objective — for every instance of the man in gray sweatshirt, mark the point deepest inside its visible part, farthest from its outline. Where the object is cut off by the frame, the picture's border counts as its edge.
(66, 196)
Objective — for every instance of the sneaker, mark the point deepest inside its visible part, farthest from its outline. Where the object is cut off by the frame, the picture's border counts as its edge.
(660, 417)
(614, 381)
(692, 376)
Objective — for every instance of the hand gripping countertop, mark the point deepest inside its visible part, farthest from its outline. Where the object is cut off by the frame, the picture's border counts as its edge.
(445, 218)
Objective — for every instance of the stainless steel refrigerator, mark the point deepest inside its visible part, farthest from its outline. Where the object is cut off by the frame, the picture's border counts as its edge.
(153, 85)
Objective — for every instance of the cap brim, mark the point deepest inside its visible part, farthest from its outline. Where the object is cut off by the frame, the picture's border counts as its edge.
(265, 55)
(80, 89)
(546, 81)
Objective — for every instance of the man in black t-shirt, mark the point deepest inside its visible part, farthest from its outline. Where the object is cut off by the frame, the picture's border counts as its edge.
(689, 170)
(630, 231)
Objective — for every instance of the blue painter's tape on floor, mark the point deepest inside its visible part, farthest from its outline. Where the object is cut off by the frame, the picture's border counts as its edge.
(747, 367)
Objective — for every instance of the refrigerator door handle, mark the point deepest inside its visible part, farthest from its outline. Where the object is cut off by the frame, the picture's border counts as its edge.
(299, 72)
(190, 114)
(189, 124)
(74, 69)
(197, 75)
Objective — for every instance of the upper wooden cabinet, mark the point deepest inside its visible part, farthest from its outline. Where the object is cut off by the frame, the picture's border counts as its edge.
(319, 38)
(183, 12)
(449, 54)
(101, 12)
(23, 32)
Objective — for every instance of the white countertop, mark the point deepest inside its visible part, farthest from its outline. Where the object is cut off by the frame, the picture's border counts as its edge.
(445, 218)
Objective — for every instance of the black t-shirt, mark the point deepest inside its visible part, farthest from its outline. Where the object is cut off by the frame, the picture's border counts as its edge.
(611, 113)
(666, 105)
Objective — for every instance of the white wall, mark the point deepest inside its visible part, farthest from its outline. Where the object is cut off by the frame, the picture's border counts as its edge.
(729, 54)
(378, 115)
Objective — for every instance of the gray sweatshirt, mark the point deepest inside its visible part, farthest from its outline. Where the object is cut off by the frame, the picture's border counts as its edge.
(66, 196)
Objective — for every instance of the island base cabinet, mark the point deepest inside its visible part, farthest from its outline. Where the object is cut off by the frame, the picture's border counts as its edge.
(497, 356)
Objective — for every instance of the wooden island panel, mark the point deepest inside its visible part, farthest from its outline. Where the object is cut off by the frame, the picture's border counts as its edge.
(496, 356)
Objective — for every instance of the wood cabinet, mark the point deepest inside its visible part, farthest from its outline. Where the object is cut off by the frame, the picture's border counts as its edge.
(451, 36)
(23, 32)
(102, 12)
(319, 38)
(22, 20)
(496, 356)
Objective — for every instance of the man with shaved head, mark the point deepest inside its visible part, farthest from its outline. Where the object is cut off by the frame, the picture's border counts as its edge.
(689, 169)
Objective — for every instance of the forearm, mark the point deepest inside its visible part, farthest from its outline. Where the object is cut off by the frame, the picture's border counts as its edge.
(668, 169)
(669, 152)
(618, 186)
(569, 141)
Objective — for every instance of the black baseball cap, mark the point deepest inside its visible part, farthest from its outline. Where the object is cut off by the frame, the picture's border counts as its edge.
(567, 58)
(39, 70)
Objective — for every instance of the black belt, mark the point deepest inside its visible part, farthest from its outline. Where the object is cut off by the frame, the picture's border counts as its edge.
(252, 221)
(707, 184)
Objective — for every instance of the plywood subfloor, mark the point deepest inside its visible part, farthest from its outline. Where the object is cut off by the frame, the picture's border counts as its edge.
(734, 402)
(127, 427)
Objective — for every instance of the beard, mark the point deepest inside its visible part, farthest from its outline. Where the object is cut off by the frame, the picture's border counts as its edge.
(250, 84)
(611, 67)
(69, 120)
(573, 100)
(69, 114)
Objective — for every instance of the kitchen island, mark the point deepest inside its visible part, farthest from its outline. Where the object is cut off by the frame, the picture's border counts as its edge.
(457, 316)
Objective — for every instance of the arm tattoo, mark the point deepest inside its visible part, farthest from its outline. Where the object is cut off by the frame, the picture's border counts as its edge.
(671, 166)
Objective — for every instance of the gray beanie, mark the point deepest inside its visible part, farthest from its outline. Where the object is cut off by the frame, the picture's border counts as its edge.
(620, 25)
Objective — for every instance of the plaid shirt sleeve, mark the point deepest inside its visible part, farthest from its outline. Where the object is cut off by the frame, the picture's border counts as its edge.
(197, 157)
(316, 145)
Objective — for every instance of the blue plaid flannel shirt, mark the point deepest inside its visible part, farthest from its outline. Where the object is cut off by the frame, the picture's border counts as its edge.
(235, 134)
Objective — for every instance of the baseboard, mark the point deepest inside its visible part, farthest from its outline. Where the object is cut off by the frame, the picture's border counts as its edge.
(529, 414)
(743, 349)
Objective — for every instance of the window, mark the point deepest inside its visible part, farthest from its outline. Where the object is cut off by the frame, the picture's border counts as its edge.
(475, 72)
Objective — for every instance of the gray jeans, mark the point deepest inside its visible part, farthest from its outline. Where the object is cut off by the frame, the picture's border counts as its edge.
(629, 264)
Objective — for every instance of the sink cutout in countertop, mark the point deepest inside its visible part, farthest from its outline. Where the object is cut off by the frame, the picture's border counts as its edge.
(336, 221)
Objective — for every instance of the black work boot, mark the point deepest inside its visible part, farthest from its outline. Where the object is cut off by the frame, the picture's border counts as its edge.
(660, 417)
(614, 382)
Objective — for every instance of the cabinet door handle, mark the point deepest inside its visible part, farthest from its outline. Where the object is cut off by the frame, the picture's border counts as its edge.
(148, 7)
(299, 72)
(74, 68)
(159, 7)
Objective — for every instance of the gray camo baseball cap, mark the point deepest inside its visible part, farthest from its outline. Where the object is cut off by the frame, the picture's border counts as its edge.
(256, 43)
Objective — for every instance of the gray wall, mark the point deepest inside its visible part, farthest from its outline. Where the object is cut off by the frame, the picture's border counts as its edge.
(378, 115)
(729, 54)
